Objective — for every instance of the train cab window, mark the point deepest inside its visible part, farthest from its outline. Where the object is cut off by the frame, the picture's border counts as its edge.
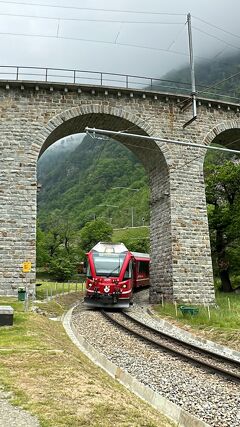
(89, 274)
(143, 268)
(128, 272)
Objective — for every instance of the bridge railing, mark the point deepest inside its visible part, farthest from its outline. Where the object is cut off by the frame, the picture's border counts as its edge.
(98, 78)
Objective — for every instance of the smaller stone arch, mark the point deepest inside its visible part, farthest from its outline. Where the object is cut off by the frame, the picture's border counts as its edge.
(226, 133)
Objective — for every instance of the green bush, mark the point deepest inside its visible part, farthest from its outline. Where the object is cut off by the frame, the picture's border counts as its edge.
(62, 267)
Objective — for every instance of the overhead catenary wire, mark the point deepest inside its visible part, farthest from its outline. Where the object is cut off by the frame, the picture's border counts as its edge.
(216, 38)
(176, 168)
(157, 138)
(221, 81)
(91, 8)
(59, 18)
(216, 27)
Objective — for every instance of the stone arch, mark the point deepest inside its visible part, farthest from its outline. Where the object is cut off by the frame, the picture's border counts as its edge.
(153, 157)
(224, 133)
(134, 123)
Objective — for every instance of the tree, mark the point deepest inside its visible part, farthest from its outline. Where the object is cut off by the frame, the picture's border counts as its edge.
(137, 245)
(223, 197)
(63, 266)
(94, 232)
(42, 253)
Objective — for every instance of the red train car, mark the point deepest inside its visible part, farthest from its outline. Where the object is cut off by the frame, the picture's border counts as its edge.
(113, 273)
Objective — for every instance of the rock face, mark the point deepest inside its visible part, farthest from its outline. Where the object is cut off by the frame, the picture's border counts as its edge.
(34, 117)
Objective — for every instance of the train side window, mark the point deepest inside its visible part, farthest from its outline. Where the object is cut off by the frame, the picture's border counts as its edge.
(89, 274)
(128, 272)
(143, 268)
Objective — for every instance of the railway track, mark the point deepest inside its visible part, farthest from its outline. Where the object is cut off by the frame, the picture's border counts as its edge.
(206, 359)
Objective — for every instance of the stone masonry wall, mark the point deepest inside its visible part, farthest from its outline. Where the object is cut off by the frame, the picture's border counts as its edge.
(33, 118)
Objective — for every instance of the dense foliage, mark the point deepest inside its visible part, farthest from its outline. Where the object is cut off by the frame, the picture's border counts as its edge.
(81, 185)
(222, 179)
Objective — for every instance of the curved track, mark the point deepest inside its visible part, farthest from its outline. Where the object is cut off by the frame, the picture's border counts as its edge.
(206, 359)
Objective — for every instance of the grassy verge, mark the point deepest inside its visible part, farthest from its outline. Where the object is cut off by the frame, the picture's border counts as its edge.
(221, 324)
(52, 379)
(46, 288)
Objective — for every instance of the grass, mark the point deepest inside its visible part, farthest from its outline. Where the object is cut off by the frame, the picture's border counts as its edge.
(223, 325)
(52, 379)
(130, 233)
(49, 288)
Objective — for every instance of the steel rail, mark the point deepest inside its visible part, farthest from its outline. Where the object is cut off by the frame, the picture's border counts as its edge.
(181, 341)
(210, 366)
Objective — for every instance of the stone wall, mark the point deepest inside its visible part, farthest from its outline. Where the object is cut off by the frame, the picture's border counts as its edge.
(32, 118)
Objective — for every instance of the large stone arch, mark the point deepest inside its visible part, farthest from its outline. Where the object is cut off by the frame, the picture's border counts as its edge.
(151, 156)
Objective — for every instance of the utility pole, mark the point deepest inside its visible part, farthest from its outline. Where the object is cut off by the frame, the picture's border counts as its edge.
(132, 214)
(192, 71)
(132, 208)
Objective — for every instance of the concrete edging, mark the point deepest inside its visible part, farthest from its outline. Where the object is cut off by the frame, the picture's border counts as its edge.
(214, 346)
(171, 410)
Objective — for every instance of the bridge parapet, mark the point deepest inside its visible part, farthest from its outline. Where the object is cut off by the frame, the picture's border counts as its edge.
(93, 81)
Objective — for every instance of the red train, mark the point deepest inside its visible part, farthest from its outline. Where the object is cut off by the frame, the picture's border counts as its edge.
(112, 274)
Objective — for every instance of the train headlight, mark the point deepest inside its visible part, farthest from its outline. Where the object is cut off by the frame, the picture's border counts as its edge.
(124, 286)
(106, 289)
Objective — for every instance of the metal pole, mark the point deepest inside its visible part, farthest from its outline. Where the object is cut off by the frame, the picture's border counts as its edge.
(193, 83)
(156, 138)
(132, 215)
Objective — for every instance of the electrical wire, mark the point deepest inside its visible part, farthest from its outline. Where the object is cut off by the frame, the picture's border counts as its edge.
(216, 27)
(155, 49)
(58, 18)
(218, 83)
(177, 37)
(198, 157)
(215, 37)
(92, 8)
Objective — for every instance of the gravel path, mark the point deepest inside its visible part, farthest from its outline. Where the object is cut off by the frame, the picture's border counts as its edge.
(208, 397)
(11, 416)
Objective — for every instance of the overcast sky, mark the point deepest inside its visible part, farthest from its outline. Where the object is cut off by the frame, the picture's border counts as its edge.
(132, 44)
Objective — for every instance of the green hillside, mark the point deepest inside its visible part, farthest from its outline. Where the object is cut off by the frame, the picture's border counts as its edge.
(80, 185)
(209, 73)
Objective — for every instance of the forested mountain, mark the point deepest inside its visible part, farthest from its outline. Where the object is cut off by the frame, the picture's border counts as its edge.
(209, 73)
(78, 185)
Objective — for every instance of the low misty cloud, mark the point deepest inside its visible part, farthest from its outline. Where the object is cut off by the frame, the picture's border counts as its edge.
(150, 43)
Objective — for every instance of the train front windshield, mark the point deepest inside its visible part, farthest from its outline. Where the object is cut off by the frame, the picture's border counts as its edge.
(108, 264)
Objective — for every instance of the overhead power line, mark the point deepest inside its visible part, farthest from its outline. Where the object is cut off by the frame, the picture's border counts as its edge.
(92, 8)
(221, 81)
(216, 27)
(217, 38)
(156, 138)
(59, 18)
(59, 37)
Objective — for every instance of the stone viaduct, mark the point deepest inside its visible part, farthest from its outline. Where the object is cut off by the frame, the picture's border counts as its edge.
(33, 115)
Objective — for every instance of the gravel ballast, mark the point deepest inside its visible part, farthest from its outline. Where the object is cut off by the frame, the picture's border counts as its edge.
(206, 396)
